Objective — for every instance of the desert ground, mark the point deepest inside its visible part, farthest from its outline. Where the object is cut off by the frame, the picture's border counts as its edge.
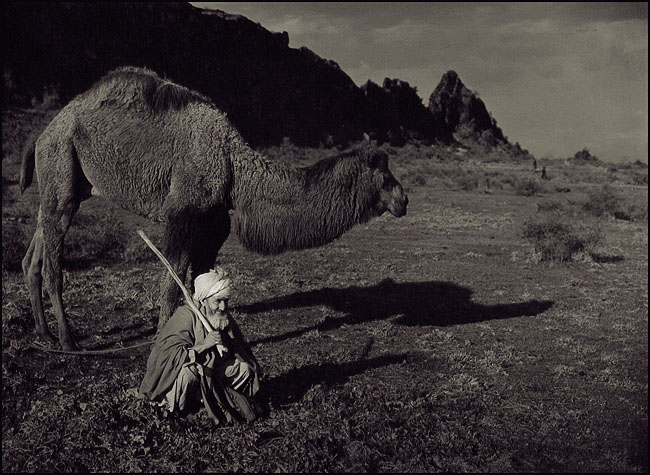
(500, 326)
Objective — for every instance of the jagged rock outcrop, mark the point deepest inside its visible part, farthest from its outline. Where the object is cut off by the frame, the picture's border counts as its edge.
(397, 114)
(463, 111)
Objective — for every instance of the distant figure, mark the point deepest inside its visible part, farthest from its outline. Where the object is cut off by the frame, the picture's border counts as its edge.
(534, 164)
(544, 177)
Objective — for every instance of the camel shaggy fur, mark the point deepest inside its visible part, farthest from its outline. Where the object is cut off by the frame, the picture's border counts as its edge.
(160, 150)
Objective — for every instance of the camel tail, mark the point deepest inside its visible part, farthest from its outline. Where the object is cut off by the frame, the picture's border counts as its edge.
(27, 167)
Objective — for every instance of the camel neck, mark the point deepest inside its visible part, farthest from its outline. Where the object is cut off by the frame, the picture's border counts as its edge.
(278, 208)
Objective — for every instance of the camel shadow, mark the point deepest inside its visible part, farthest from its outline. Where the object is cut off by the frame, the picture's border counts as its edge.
(413, 303)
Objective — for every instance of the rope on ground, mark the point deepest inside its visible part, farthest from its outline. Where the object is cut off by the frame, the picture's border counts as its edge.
(38, 346)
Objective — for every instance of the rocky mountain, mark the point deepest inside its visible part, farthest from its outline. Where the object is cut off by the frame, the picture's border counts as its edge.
(463, 112)
(269, 90)
(454, 105)
(396, 114)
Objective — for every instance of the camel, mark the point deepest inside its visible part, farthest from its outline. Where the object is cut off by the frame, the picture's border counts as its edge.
(163, 151)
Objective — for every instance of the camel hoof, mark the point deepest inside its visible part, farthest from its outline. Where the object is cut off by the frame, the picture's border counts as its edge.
(47, 337)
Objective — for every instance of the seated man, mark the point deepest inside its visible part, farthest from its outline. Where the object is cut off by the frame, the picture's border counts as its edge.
(189, 364)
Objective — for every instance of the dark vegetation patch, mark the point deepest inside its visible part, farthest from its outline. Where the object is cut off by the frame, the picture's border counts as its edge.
(607, 201)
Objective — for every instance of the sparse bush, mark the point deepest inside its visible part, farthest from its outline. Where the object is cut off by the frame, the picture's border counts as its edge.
(605, 201)
(557, 238)
(527, 186)
(457, 176)
(639, 178)
(638, 211)
(504, 181)
(467, 181)
(419, 180)
(601, 201)
(553, 206)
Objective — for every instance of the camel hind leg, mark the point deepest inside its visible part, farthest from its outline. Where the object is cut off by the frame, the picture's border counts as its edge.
(32, 265)
(54, 229)
(62, 186)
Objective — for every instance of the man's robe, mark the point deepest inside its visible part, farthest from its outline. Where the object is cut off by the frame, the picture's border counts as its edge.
(173, 351)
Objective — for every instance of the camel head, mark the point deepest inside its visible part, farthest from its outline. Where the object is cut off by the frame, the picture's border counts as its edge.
(391, 196)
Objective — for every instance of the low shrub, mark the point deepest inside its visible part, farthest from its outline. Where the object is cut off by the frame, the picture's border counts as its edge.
(639, 179)
(468, 181)
(419, 180)
(553, 206)
(558, 238)
(520, 185)
(455, 176)
(527, 187)
(606, 201)
(601, 201)
(494, 180)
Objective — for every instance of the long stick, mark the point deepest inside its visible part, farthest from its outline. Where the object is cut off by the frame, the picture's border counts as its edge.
(186, 293)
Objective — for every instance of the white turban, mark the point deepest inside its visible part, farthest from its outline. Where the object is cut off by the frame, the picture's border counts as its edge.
(214, 282)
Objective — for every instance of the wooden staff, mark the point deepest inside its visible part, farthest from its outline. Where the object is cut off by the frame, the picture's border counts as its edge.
(186, 293)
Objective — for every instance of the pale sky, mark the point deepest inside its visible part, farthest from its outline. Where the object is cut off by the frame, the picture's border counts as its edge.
(557, 77)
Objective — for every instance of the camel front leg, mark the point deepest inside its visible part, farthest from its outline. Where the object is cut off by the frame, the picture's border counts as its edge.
(170, 293)
(210, 233)
(177, 239)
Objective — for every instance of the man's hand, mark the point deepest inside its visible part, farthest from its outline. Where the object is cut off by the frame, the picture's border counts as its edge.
(211, 339)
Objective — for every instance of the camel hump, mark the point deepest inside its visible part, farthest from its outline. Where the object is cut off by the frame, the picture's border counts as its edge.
(128, 83)
(27, 166)
(168, 95)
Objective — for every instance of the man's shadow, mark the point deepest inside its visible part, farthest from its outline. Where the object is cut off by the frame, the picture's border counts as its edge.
(291, 386)
(414, 303)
